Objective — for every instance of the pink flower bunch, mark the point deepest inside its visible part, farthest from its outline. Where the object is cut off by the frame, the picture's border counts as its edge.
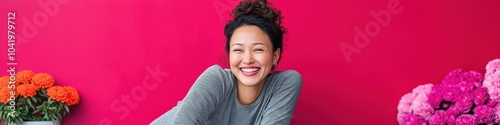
(414, 107)
(492, 82)
(492, 79)
(463, 98)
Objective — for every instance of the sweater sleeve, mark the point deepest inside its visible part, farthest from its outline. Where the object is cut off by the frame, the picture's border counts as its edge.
(285, 96)
(203, 97)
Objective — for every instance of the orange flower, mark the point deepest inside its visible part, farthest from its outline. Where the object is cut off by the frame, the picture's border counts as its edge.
(4, 81)
(5, 95)
(24, 77)
(73, 97)
(27, 90)
(67, 95)
(43, 80)
(57, 93)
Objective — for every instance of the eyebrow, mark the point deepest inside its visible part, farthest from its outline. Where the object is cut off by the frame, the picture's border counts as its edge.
(252, 44)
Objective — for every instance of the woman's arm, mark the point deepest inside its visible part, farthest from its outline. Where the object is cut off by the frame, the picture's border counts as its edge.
(280, 109)
(203, 97)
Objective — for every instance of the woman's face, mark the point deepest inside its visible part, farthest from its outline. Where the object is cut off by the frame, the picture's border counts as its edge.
(251, 55)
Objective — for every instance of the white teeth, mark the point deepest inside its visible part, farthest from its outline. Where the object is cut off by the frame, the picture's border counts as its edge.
(249, 69)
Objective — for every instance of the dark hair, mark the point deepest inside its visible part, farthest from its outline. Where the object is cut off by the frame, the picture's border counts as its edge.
(257, 13)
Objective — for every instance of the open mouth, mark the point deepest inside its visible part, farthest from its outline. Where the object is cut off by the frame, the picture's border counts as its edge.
(249, 71)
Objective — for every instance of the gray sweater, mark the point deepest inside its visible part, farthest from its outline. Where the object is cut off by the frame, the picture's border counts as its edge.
(213, 100)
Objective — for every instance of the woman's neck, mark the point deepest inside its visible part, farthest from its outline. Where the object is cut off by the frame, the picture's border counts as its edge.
(248, 94)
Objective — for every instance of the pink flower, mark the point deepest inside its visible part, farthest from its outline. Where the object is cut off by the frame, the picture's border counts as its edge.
(416, 103)
(452, 78)
(480, 95)
(491, 103)
(497, 114)
(423, 89)
(405, 103)
(436, 96)
(421, 107)
(439, 118)
(493, 66)
(450, 93)
(492, 79)
(466, 119)
(464, 103)
(450, 119)
(404, 106)
(472, 77)
(494, 92)
(412, 119)
(453, 111)
(465, 87)
(484, 114)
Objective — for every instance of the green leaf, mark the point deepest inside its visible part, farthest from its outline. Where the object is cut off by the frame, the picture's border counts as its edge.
(34, 99)
(46, 117)
(26, 108)
(30, 104)
(59, 117)
(67, 109)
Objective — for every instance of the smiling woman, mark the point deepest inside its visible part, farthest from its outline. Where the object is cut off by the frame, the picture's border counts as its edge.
(248, 93)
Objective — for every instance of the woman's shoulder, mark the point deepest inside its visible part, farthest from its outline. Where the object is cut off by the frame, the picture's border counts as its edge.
(215, 79)
(287, 78)
(287, 74)
(216, 70)
(217, 74)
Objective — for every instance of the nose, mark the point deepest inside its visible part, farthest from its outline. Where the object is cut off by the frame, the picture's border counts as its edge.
(248, 58)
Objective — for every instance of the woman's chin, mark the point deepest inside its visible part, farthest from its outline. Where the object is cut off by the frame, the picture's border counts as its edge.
(249, 81)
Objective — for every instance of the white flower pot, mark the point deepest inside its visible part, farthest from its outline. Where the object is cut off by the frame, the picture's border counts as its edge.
(40, 123)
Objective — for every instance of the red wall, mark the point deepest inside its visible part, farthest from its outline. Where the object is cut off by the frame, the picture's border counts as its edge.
(131, 61)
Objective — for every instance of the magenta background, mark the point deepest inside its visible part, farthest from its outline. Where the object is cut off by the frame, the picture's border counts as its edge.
(103, 48)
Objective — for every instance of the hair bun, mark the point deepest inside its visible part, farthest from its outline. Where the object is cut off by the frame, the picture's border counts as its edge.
(258, 8)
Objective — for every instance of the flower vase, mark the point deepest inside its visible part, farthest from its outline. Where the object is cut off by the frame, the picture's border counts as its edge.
(56, 122)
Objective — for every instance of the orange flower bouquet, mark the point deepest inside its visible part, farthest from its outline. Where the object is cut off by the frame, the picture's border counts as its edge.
(34, 97)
